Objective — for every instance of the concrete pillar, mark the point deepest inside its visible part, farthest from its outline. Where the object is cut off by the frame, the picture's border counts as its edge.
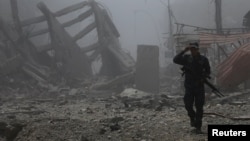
(147, 68)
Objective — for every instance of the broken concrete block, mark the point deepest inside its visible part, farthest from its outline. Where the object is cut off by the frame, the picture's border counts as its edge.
(131, 93)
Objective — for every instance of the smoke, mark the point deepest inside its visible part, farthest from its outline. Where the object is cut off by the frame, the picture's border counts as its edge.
(146, 21)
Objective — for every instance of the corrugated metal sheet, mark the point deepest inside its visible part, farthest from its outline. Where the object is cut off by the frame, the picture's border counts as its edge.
(236, 68)
(208, 38)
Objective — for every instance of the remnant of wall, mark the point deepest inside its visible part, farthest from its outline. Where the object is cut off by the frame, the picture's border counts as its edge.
(147, 68)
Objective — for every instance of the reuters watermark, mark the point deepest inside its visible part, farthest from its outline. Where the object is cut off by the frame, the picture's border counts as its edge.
(241, 132)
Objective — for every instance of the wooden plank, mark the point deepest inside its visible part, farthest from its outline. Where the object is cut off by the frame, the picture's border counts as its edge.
(85, 31)
(57, 14)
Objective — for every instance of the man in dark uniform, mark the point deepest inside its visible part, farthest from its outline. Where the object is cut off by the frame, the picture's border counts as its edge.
(195, 67)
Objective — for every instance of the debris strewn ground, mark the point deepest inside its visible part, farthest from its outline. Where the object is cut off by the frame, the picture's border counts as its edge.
(76, 114)
(50, 93)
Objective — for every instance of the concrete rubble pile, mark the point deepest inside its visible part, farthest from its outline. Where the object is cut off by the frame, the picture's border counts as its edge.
(63, 59)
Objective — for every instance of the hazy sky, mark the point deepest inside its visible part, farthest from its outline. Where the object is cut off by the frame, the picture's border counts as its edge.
(138, 21)
(146, 21)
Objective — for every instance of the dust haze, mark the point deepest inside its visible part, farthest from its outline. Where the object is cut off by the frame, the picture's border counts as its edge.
(146, 21)
(101, 85)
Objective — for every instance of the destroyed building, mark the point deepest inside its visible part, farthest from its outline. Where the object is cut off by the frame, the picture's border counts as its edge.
(50, 89)
(63, 55)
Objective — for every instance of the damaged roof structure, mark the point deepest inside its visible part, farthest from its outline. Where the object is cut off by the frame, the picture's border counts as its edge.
(228, 52)
(63, 55)
(234, 69)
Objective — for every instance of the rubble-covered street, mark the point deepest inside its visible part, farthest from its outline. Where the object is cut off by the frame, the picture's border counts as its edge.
(64, 76)
(77, 114)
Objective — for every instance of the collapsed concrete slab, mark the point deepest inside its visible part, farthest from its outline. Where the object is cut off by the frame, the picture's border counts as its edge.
(63, 55)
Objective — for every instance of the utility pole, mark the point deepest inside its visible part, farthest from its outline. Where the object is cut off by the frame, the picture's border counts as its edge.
(218, 16)
(171, 39)
(218, 21)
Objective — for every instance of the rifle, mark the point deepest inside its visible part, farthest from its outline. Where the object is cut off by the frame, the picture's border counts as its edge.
(214, 89)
